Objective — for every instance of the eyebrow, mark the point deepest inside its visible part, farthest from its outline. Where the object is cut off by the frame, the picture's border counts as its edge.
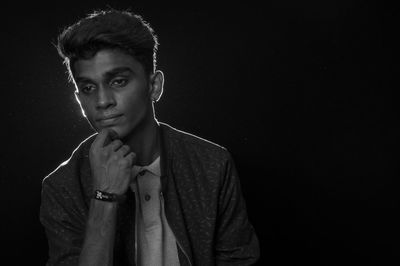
(116, 71)
(107, 75)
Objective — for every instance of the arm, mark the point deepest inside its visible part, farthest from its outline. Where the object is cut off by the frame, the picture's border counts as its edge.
(100, 233)
(237, 243)
(74, 237)
(111, 164)
(71, 242)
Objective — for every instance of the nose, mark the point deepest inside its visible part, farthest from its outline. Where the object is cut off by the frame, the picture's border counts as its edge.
(105, 98)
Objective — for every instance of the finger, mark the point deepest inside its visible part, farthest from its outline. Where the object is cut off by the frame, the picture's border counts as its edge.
(124, 150)
(104, 137)
(112, 135)
(100, 138)
(116, 144)
(132, 158)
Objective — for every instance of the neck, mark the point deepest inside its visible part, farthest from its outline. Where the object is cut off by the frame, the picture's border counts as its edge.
(144, 142)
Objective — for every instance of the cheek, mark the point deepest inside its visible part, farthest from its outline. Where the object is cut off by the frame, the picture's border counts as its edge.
(134, 107)
(135, 101)
(87, 108)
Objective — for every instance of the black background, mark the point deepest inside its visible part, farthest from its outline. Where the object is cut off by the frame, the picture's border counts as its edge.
(301, 92)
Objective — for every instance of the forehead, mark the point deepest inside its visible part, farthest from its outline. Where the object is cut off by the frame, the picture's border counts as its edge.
(103, 62)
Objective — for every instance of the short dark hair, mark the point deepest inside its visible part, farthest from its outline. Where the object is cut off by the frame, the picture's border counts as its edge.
(111, 29)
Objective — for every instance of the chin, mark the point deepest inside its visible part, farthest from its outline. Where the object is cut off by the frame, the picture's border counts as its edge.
(122, 132)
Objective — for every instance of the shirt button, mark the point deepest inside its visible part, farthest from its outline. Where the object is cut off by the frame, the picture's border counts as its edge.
(142, 172)
(147, 197)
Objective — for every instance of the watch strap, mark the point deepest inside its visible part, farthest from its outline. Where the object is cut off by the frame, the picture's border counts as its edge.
(106, 196)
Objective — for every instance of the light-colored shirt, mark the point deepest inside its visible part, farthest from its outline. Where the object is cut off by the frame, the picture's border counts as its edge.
(156, 243)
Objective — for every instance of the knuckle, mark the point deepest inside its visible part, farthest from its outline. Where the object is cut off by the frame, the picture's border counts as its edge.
(117, 142)
(132, 155)
(114, 157)
(123, 162)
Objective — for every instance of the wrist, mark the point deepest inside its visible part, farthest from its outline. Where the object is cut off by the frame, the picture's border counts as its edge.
(101, 211)
(102, 218)
(103, 207)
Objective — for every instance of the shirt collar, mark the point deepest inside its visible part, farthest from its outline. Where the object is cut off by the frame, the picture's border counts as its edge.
(154, 167)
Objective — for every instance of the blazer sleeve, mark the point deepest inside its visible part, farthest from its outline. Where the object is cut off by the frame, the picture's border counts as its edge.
(237, 243)
(63, 225)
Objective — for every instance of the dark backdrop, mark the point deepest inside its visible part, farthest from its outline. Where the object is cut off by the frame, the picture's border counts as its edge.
(300, 92)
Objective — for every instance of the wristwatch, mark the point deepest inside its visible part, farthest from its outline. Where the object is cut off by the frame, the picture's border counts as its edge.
(110, 197)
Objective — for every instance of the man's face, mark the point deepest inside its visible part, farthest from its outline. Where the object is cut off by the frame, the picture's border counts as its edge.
(113, 91)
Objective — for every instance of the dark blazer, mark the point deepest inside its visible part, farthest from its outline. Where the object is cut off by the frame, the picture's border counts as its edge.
(204, 205)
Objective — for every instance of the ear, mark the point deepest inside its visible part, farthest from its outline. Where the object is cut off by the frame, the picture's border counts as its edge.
(156, 85)
(79, 102)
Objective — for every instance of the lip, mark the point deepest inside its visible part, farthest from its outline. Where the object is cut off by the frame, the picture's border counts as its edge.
(108, 120)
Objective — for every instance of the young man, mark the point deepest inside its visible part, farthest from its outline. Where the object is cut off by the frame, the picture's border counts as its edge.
(139, 192)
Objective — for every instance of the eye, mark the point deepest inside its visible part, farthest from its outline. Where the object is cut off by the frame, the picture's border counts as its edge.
(87, 88)
(119, 82)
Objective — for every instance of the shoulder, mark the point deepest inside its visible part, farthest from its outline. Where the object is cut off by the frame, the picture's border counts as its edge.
(68, 170)
(191, 145)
